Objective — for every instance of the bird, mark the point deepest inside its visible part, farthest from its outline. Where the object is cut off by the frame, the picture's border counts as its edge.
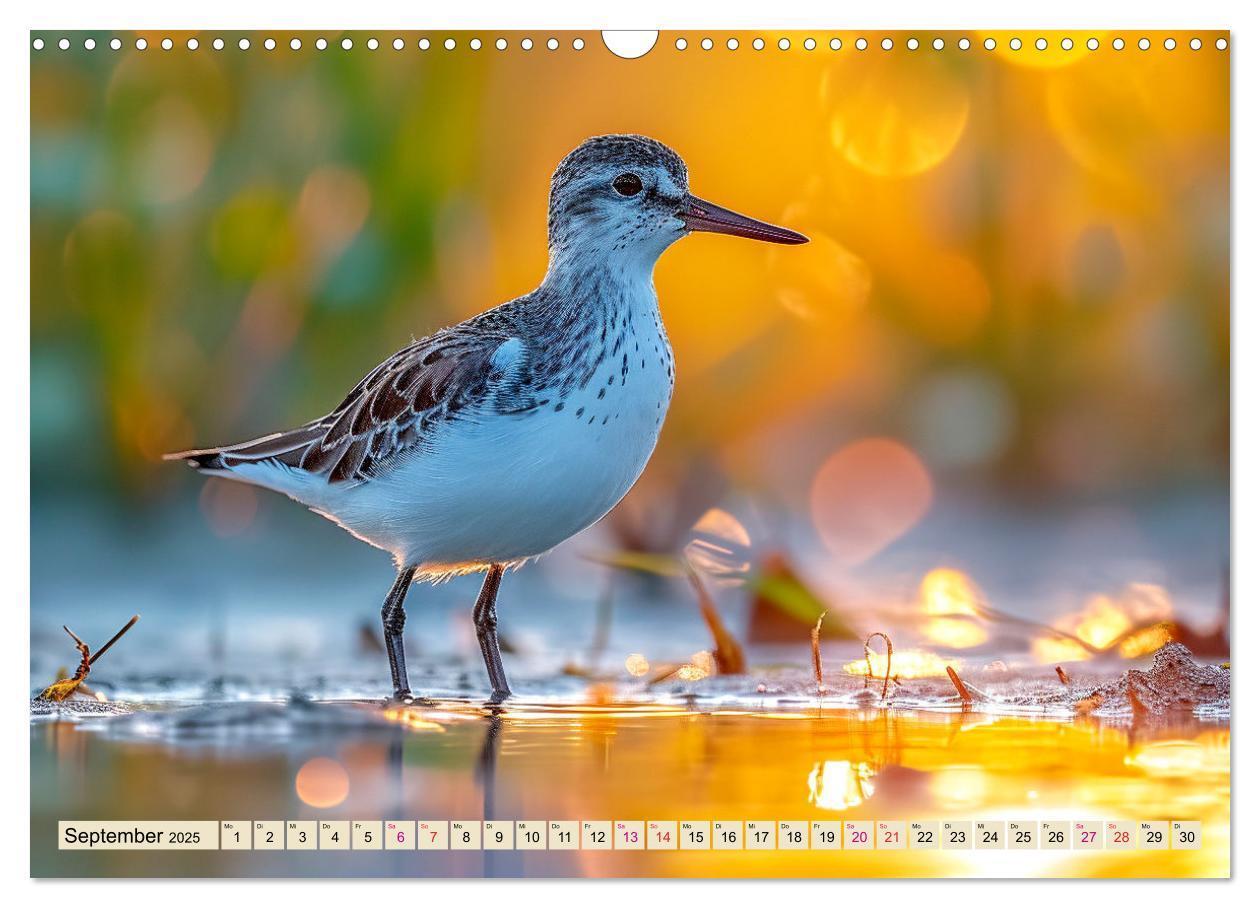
(488, 443)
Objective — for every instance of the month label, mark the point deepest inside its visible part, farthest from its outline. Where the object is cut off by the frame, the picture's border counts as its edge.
(150, 835)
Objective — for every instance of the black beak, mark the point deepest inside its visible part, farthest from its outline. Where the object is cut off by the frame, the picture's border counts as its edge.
(697, 214)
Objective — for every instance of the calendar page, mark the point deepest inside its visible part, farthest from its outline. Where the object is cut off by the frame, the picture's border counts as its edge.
(551, 454)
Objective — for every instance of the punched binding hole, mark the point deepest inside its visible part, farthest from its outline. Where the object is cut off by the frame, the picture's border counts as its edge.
(630, 45)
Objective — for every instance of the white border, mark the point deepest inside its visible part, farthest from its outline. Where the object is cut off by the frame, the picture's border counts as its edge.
(664, 14)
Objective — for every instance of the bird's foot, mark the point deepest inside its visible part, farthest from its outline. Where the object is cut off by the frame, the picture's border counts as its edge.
(498, 696)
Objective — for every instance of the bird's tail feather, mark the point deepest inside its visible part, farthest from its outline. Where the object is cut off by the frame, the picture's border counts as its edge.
(205, 461)
(283, 448)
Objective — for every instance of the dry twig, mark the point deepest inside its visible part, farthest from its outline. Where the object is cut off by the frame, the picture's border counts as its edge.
(816, 649)
(63, 689)
(870, 674)
(727, 653)
(962, 688)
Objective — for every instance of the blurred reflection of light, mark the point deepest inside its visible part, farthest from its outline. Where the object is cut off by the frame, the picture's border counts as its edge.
(229, 507)
(251, 231)
(1050, 649)
(1110, 117)
(637, 665)
(322, 782)
(962, 418)
(957, 633)
(413, 719)
(175, 151)
(1147, 602)
(949, 297)
(1107, 621)
(1179, 758)
(270, 318)
(704, 661)
(1101, 623)
(465, 251)
(1145, 641)
(1097, 266)
(720, 545)
(825, 281)
(949, 592)
(103, 260)
(700, 667)
(150, 422)
(896, 116)
(866, 495)
(959, 787)
(332, 207)
(840, 784)
(906, 663)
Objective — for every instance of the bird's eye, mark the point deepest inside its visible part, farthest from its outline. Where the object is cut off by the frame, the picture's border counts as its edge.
(628, 184)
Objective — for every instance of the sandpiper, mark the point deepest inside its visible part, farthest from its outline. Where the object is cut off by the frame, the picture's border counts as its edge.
(492, 441)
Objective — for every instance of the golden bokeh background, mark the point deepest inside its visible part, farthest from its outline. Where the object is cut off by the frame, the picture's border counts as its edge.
(1019, 270)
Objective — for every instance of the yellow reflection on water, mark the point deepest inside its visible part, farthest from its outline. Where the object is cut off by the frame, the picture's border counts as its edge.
(557, 760)
(840, 784)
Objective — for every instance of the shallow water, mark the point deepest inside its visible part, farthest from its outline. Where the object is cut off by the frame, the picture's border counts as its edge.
(679, 758)
(256, 654)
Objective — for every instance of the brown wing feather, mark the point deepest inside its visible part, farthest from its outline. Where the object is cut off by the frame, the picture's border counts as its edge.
(387, 412)
(394, 407)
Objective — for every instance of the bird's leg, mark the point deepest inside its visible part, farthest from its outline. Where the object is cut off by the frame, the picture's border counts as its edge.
(393, 617)
(487, 624)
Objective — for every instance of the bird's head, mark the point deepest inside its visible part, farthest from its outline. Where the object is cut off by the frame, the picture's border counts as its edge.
(627, 197)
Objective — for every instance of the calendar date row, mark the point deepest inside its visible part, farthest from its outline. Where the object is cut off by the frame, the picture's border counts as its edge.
(632, 835)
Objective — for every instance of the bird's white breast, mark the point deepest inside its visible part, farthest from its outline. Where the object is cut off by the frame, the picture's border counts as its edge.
(490, 487)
